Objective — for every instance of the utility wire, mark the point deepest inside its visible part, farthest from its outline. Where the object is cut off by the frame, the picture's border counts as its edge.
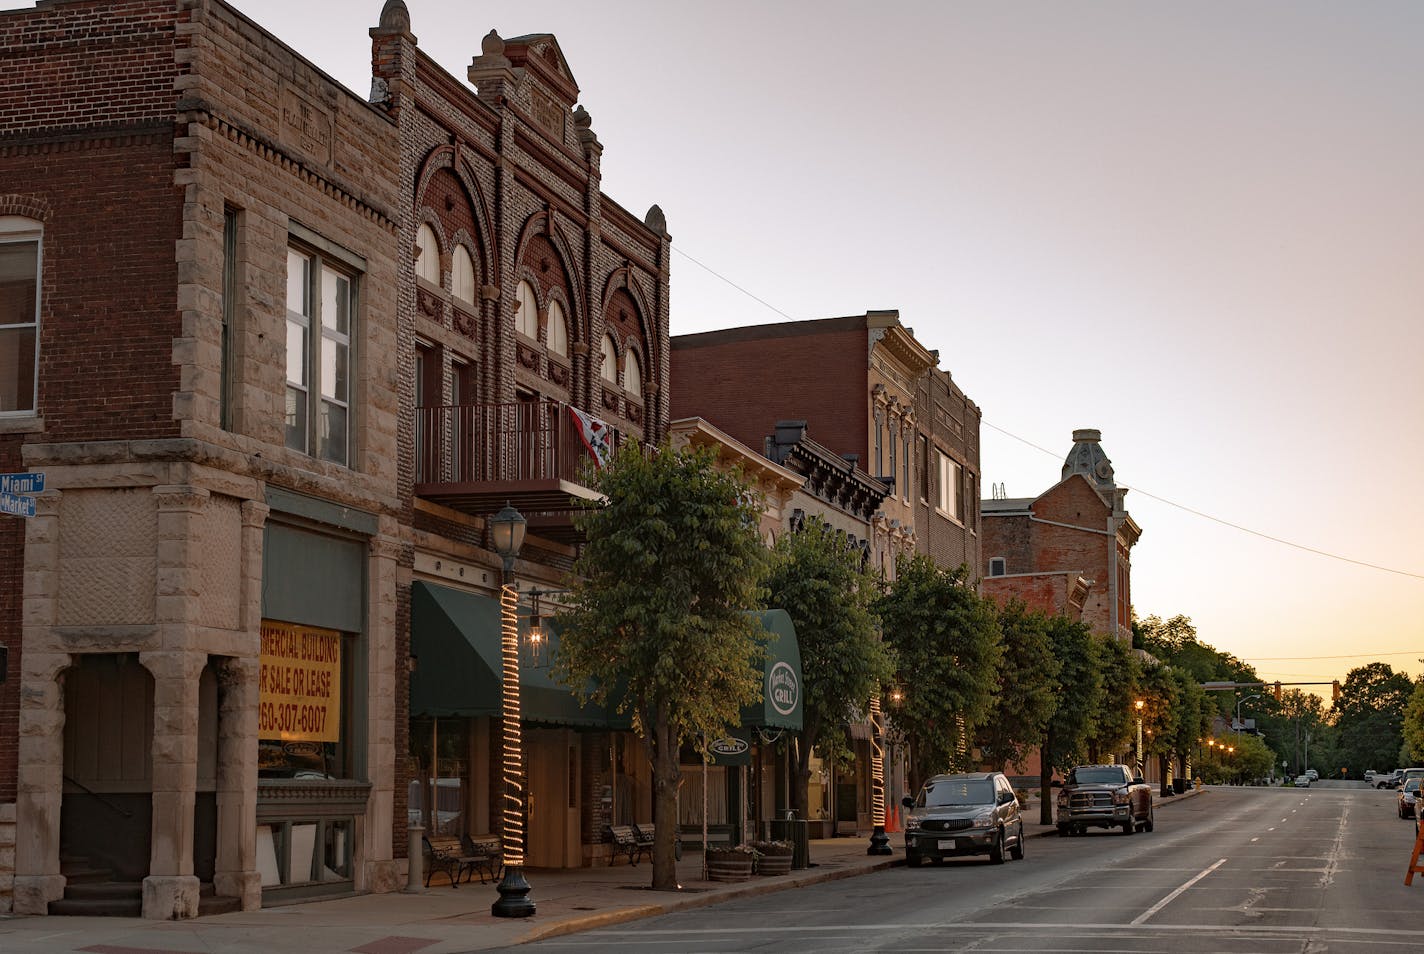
(1350, 656)
(1057, 456)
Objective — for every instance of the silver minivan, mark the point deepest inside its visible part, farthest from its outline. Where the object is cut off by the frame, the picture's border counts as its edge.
(969, 814)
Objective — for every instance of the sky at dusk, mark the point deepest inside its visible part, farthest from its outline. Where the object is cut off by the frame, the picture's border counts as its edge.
(1197, 227)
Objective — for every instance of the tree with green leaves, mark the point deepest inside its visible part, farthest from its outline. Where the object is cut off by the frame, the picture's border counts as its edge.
(1077, 692)
(1114, 722)
(826, 588)
(1158, 691)
(1028, 680)
(1369, 717)
(658, 609)
(1236, 758)
(1412, 751)
(1191, 720)
(945, 638)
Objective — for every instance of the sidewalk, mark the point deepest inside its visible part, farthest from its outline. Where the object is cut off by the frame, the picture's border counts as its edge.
(445, 920)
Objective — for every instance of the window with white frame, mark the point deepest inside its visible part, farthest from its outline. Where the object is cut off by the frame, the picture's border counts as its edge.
(321, 305)
(526, 316)
(633, 375)
(558, 334)
(20, 246)
(951, 491)
(462, 275)
(609, 370)
(427, 255)
(998, 566)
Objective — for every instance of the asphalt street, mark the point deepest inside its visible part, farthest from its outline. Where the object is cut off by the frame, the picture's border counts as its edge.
(1245, 870)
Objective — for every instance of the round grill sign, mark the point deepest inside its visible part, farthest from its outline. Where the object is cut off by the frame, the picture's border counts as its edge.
(728, 746)
(783, 688)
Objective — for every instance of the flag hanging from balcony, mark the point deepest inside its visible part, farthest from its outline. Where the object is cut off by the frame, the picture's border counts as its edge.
(596, 435)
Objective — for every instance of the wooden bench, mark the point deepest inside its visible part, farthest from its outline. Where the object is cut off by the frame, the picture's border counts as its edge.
(445, 853)
(626, 842)
(484, 855)
(646, 835)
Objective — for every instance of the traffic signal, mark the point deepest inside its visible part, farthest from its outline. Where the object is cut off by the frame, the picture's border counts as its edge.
(1278, 690)
(1335, 691)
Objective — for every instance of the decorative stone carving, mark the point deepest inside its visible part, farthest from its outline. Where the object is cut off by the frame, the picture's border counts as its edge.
(635, 413)
(528, 357)
(465, 323)
(558, 373)
(610, 399)
(428, 304)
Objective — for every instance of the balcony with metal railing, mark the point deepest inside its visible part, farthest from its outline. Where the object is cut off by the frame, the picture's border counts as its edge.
(533, 454)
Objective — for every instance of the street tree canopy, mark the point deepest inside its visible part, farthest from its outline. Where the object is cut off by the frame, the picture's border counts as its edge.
(657, 622)
(1028, 683)
(826, 588)
(1369, 717)
(946, 642)
(1078, 693)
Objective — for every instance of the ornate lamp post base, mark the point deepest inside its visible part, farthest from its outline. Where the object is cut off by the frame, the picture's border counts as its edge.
(879, 842)
(514, 900)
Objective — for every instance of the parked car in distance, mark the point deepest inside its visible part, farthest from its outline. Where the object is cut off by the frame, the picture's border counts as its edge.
(1104, 796)
(1302, 781)
(967, 814)
(1408, 798)
(1314, 775)
(1370, 775)
(1391, 780)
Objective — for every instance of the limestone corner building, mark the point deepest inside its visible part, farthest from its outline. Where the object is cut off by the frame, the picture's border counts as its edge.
(277, 349)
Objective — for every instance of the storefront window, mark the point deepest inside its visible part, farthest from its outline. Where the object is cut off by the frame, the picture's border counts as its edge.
(448, 778)
(304, 704)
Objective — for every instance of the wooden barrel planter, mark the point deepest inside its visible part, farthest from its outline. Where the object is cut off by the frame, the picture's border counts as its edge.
(777, 864)
(729, 866)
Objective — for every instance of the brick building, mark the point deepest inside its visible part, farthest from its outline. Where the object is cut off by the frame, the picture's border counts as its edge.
(872, 394)
(277, 350)
(1068, 550)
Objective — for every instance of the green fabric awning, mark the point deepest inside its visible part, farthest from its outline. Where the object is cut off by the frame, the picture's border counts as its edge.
(781, 686)
(455, 639)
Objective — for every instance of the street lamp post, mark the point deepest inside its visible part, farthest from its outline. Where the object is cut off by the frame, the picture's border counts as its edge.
(507, 535)
(1138, 705)
(1237, 725)
(879, 841)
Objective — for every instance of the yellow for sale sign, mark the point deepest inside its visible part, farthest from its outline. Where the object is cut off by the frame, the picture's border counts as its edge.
(300, 683)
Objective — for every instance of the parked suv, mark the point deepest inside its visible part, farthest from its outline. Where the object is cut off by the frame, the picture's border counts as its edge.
(1104, 796)
(970, 814)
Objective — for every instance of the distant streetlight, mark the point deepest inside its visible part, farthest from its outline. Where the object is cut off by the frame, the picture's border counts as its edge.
(1237, 725)
(507, 536)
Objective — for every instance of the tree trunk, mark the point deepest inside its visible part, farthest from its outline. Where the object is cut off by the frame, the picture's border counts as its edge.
(1045, 782)
(800, 796)
(666, 775)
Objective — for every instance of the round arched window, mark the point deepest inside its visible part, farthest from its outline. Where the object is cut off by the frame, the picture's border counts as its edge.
(462, 275)
(633, 375)
(526, 317)
(558, 336)
(609, 370)
(427, 255)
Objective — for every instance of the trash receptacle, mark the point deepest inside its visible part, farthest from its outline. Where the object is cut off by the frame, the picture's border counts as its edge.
(797, 832)
(1179, 785)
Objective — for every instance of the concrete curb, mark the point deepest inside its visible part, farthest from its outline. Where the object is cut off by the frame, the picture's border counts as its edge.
(703, 900)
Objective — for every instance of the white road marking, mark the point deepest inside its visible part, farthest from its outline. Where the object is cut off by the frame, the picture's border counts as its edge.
(1257, 838)
(1177, 893)
(991, 926)
(1332, 857)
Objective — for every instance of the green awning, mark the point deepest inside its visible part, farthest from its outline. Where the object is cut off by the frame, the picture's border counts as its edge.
(455, 641)
(781, 687)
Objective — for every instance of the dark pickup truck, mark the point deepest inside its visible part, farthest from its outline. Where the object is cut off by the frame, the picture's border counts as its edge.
(1104, 796)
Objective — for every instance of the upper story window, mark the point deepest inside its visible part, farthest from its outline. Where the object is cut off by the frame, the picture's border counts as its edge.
(427, 255)
(998, 566)
(558, 334)
(321, 305)
(526, 316)
(951, 490)
(633, 376)
(19, 313)
(609, 370)
(462, 275)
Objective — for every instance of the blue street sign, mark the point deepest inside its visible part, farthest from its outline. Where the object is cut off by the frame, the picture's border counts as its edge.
(21, 483)
(17, 505)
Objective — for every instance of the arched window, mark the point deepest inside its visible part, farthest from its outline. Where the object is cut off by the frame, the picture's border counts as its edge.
(462, 275)
(633, 375)
(558, 336)
(526, 317)
(427, 255)
(609, 371)
(19, 312)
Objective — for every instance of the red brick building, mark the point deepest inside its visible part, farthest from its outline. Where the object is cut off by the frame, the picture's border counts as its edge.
(872, 394)
(279, 351)
(1068, 550)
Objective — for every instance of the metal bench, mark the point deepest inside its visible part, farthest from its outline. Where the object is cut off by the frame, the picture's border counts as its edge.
(645, 834)
(484, 855)
(626, 842)
(445, 853)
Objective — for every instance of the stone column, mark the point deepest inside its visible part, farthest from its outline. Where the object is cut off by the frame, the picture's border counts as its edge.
(41, 719)
(171, 889)
(235, 874)
(378, 870)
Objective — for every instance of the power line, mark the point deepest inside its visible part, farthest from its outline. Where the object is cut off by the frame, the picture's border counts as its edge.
(1228, 523)
(1056, 456)
(1349, 656)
